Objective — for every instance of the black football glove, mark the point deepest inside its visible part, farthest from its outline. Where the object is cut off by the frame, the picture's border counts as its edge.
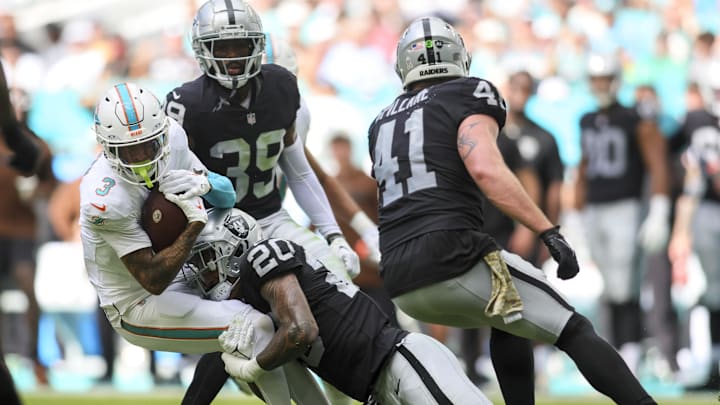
(7, 113)
(27, 153)
(561, 251)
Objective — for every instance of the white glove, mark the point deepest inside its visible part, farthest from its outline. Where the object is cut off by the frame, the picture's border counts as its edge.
(348, 256)
(193, 208)
(242, 369)
(368, 231)
(184, 183)
(655, 229)
(238, 338)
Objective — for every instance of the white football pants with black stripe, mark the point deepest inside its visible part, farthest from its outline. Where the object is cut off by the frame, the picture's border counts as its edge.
(425, 372)
(180, 320)
(461, 301)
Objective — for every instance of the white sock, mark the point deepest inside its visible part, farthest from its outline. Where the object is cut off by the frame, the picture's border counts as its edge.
(630, 352)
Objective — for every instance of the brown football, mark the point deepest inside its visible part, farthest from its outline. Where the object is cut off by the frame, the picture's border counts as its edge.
(162, 220)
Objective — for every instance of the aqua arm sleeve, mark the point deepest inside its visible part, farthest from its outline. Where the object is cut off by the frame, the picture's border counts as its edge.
(222, 193)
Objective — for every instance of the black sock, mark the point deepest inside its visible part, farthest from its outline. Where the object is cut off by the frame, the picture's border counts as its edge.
(209, 378)
(715, 327)
(626, 323)
(601, 365)
(8, 395)
(512, 358)
(470, 348)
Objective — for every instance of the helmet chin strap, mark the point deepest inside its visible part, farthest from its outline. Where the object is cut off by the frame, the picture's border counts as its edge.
(226, 101)
(142, 171)
(235, 88)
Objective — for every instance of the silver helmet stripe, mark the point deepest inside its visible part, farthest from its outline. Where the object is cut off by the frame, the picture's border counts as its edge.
(429, 43)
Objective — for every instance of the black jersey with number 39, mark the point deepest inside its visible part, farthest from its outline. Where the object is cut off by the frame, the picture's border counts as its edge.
(355, 336)
(423, 183)
(241, 143)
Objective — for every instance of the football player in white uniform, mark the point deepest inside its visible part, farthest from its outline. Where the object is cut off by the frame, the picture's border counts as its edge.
(141, 291)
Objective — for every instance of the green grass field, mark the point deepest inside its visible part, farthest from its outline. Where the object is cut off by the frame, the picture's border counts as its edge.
(173, 398)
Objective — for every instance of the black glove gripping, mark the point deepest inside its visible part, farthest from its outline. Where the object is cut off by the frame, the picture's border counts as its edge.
(561, 251)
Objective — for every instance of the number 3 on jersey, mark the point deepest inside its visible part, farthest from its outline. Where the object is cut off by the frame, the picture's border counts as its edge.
(396, 181)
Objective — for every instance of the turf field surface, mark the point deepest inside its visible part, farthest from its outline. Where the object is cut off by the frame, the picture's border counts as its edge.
(173, 398)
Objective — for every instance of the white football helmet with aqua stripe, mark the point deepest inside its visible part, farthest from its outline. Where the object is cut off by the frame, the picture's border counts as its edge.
(132, 128)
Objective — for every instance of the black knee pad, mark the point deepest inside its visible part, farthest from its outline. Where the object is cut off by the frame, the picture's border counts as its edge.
(576, 326)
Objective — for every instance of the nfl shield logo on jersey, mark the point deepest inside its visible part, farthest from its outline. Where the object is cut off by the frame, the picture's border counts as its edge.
(251, 118)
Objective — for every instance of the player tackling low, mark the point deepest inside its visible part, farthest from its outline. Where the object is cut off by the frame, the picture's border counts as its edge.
(326, 322)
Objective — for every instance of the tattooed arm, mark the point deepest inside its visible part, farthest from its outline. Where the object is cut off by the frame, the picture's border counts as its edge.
(477, 146)
(297, 329)
(155, 271)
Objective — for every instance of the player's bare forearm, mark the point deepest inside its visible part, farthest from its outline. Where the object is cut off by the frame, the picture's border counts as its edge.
(341, 202)
(684, 212)
(477, 147)
(552, 201)
(297, 328)
(654, 152)
(580, 185)
(530, 182)
(155, 271)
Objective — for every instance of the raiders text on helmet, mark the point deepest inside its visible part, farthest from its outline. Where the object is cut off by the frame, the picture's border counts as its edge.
(430, 48)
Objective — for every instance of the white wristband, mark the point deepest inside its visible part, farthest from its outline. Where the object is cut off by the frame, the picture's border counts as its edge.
(361, 223)
(659, 206)
(253, 369)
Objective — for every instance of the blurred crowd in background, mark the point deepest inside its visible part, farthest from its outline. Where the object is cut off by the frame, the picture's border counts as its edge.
(60, 56)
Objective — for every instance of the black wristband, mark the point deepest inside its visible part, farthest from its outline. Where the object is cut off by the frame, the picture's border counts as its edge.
(13, 133)
(331, 237)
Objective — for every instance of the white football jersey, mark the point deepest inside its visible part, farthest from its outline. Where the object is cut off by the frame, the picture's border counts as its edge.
(110, 210)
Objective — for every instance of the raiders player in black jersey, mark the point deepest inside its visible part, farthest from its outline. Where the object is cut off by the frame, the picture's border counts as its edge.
(435, 160)
(619, 146)
(328, 324)
(240, 120)
(240, 117)
(697, 217)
